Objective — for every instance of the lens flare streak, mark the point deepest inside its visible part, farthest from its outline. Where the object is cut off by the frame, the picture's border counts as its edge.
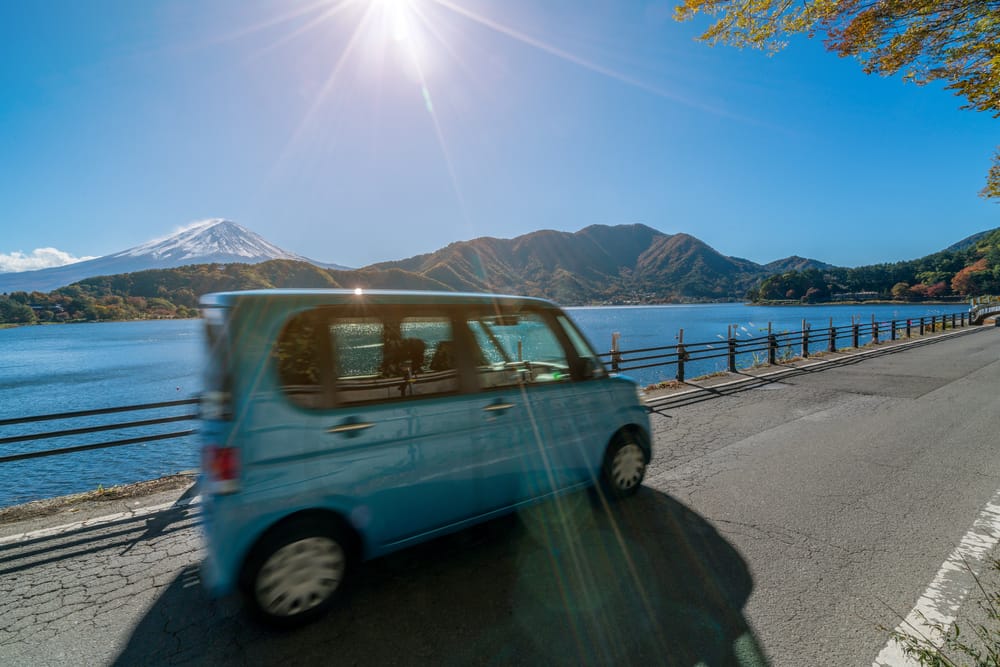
(576, 60)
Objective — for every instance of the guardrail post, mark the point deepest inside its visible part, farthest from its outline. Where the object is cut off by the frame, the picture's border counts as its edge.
(908, 326)
(681, 356)
(616, 355)
(772, 346)
(963, 319)
(892, 332)
(854, 334)
(805, 339)
(953, 320)
(921, 326)
(874, 330)
(732, 351)
(832, 347)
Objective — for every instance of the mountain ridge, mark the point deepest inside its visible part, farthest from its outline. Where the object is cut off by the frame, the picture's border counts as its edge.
(599, 264)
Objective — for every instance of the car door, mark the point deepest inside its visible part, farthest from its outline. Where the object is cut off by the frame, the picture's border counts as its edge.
(534, 428)
(388, 433)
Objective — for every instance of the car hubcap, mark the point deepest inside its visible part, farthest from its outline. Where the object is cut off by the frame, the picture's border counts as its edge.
(300, 576)
(628, 466)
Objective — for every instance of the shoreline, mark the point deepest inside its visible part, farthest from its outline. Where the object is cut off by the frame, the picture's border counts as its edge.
(17, 325)
(875, 302)
(767, 304)
(82, 502)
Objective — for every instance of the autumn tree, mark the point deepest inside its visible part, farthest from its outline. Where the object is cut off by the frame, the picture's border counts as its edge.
(953, 41)
(968, 280)
(992, 189)
(937, 290)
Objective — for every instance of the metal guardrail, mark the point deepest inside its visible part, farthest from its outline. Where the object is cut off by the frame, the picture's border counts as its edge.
(774, 347)
(139, 428)
(983, 307)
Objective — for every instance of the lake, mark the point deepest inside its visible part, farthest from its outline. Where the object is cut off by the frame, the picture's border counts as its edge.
(60, 368)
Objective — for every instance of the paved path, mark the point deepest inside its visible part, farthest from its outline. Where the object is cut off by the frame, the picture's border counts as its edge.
(805, 509)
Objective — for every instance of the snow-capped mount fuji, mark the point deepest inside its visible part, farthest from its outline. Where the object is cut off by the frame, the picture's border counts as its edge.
(215, 241)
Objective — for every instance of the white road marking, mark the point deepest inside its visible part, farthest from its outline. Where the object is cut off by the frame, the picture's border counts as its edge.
(941, 601)
(96, 521)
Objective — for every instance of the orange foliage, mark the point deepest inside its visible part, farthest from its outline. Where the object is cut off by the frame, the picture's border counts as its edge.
(962, 283)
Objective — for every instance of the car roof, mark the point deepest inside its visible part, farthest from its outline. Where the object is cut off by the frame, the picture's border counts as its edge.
(324, 297)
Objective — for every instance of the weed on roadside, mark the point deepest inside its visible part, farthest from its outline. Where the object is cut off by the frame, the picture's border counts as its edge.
(954, 647)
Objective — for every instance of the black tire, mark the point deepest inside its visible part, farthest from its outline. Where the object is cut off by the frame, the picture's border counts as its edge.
(624, 466)
(297, 572)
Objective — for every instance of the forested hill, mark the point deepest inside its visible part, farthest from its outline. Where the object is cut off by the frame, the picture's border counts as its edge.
(970, 267)
(597, 265)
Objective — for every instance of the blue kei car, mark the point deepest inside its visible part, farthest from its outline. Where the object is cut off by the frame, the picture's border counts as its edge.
(342, 425)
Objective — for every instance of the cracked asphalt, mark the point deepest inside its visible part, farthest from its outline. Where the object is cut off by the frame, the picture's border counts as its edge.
(792, 518)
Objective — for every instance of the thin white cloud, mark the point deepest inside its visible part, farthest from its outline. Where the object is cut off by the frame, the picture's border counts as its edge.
(39, 258)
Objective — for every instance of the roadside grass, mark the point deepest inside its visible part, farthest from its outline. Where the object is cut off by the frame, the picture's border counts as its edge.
(49, 506)
(665, 384)
(955, 647)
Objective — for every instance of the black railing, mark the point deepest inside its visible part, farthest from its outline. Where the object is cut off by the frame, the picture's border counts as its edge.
(773, 347)
(738, 353)
(138, 431)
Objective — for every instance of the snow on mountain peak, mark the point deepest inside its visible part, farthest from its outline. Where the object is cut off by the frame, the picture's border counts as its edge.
(210, 238)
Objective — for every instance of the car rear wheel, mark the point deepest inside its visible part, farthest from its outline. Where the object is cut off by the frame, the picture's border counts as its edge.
(297, 573)
(624, 466)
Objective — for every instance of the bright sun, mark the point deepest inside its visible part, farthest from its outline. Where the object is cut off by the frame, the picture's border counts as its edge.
(398, 17)
(398, 23)
(395, 20)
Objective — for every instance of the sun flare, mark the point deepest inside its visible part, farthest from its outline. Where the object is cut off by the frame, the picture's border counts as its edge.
(396, 21)
(398, 18)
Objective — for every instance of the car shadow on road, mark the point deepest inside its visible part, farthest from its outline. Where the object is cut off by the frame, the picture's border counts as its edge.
(571, 581)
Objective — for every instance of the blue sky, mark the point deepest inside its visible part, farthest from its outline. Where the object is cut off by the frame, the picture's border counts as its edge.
(370, 130)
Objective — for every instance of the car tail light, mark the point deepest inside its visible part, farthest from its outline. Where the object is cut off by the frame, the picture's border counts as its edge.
(221, 466)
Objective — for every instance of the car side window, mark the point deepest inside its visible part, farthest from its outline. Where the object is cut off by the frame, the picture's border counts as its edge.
(388, 358)
(371, 358)
(517, 349)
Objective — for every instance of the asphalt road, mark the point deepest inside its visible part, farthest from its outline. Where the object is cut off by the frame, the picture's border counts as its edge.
(798, 515)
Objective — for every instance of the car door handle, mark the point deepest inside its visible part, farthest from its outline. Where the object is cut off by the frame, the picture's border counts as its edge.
(495, 407)
(350, 427)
